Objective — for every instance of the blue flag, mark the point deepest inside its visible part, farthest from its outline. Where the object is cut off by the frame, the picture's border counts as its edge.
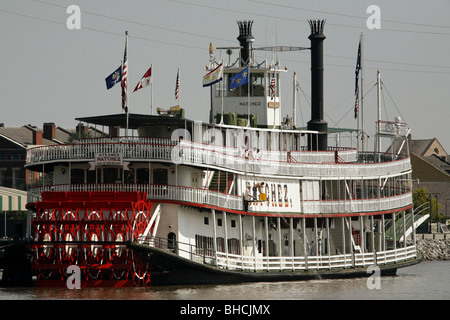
(239, 79)
(114, 78)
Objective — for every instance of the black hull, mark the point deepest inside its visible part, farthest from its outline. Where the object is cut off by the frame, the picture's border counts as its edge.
(170, 269)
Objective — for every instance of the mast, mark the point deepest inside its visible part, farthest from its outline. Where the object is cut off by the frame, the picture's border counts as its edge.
(363, 138)
(151, 90)
(378, 115)
(294, 102)
(125, 81)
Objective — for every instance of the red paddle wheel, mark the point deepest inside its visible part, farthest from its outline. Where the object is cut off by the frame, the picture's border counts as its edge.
(90, 230)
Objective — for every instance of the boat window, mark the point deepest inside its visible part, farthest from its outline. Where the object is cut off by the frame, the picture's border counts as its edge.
(76, 176)
(160, 176)
(233, 246)
(111, 175)
(91, 176)
(128, 176)
(257, 86)
(142, 175)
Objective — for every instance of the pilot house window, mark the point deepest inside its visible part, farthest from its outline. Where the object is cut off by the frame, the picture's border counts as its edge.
(258, 85)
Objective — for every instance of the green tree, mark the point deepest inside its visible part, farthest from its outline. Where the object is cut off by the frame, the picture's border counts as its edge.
(421, 196)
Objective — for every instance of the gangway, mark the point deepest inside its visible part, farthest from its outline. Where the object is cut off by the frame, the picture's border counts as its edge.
(420, 216)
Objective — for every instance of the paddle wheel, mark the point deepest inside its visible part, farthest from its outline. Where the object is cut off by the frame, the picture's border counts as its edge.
(90, 230)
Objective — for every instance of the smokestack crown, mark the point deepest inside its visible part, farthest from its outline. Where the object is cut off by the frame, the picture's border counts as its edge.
(316, 26)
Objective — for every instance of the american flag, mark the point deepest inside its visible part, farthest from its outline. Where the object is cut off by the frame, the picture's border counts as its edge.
(177, 86)
(125, 75)
(272, 88)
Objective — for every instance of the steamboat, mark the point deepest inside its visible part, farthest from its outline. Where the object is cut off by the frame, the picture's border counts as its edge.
(245, 197)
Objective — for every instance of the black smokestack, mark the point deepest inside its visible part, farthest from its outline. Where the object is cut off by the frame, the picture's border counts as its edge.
(317, 142)
(245, 40)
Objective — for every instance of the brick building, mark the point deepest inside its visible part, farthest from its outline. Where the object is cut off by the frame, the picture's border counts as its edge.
(14, 143)
(431, 169)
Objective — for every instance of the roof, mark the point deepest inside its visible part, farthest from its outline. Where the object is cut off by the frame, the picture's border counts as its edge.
(334, 130)
(134, 120)
(422, 147)
(23, 136)
(442, 163)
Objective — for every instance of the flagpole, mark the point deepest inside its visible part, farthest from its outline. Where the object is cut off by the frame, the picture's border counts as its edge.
(294, 102)
(151, 89)
(378, 150)
(178, 80)
(179, 86)
(222, 82)
(274, 100)
(126, 85)
(362, 94)
(248, 97)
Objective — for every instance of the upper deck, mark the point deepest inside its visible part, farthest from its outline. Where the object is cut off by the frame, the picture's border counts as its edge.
(292, 162)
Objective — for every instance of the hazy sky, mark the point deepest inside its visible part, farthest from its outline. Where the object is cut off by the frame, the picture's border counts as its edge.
(53, 74)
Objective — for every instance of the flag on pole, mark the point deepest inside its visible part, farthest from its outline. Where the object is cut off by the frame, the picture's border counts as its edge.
(272, 87)
(114, 78)
(145, 81)
(358, 68)
(240, 78)
(177, 86)
(213, 77)
(125, 75)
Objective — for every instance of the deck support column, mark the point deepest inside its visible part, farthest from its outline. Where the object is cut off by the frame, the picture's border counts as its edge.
(394, 235)
(372, 232)
(241, 243)
(343, 242)
(266, 226)
(316, 242)
(226, 235)
(291, 242)
(327, 220)
(404, 230)
(254, 239)
(214, 234)
(279, 240)
(305, 253)
(351, 241)
(361, 237)
(383, 236)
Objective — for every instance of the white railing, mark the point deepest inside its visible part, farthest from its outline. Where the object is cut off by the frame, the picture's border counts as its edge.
(269, 162)
(360, 205)
(229, 201)
(154, 192)
(323, 262)
(282, 263)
